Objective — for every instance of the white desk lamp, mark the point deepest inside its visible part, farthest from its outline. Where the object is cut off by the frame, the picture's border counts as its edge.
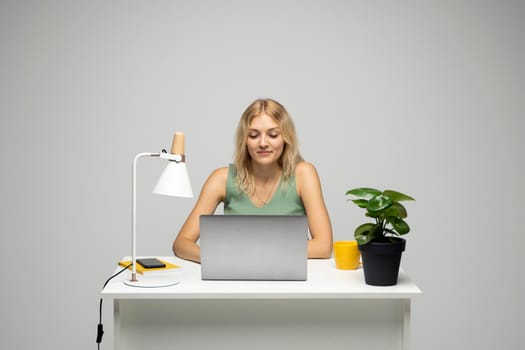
(174, 181)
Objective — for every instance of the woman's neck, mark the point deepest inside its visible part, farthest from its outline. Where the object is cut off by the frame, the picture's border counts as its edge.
(266, 173)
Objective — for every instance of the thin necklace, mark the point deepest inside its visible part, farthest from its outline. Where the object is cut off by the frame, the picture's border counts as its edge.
(271, 192)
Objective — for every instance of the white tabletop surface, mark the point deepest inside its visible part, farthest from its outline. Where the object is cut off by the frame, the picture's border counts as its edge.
(324, 281)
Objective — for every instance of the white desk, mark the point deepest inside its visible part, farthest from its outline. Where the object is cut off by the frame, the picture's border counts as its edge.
(333, 309)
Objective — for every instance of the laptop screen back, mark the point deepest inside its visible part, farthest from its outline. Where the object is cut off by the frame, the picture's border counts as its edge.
(253, 247)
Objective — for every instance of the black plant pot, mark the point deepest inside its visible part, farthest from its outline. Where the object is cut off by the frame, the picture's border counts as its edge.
(381, 261)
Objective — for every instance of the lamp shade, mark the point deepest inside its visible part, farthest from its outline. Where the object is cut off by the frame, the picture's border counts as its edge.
(174, 181)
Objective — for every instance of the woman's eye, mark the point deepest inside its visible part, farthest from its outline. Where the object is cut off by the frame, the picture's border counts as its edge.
(252, 136)
(273, 136)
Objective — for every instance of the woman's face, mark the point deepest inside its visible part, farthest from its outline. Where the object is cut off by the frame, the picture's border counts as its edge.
(264, 142)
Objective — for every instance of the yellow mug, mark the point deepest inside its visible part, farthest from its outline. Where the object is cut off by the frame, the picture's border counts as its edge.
(347, 256)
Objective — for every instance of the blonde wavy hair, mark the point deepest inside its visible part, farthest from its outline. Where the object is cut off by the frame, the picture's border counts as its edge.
(242, 160)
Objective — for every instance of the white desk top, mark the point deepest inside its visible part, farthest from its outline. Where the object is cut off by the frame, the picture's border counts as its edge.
(324, 282)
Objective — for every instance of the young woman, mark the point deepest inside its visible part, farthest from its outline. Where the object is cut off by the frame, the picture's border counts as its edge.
(268, 177)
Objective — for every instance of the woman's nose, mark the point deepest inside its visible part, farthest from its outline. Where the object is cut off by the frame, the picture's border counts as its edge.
(263, 142)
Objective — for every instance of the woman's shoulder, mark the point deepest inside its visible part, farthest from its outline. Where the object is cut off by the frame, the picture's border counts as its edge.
(218, 177)
(304, 168)
(216, 182)
(220, 173)
(307, 178)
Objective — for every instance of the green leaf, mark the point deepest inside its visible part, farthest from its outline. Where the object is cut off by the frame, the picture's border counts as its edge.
(361, 203)
(379, 203)
(371, 214)
(363, 239)
(399, 225)
(365, 233)
(364, 229)
(364, 192)
(396, 210)
(397, 196)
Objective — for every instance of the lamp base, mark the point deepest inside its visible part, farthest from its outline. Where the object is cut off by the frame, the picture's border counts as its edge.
(153, 282)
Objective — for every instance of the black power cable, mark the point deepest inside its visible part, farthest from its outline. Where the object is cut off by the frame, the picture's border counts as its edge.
(100, 327)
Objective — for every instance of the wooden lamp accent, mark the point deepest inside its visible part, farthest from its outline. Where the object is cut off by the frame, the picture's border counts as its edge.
(177, 146)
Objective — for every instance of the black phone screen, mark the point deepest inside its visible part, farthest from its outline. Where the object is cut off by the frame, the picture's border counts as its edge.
(150, 263)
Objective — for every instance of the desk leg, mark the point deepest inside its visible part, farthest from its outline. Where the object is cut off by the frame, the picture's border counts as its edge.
(406, 324)
(117, 324)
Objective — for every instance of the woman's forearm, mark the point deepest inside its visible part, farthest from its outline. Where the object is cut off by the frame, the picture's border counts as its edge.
(319, 249)
(187, 249)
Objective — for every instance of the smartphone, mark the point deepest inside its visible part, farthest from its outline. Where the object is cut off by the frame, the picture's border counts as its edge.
(150, 263)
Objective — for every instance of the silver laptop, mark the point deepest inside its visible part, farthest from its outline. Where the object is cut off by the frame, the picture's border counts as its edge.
(253, 247)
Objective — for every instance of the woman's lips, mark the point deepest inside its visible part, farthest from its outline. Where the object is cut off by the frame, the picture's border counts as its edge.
(264, 153)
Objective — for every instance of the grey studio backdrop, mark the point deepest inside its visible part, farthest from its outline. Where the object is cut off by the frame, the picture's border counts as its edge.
(426, 97)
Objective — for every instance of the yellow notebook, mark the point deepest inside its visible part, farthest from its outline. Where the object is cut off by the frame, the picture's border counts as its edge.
(141, 269)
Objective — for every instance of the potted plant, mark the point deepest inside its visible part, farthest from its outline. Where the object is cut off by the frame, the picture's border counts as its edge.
(380, 242)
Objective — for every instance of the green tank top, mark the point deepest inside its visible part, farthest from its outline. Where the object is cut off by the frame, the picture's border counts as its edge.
(285, 201)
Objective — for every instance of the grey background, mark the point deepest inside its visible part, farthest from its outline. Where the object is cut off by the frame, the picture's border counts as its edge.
(426, 97)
